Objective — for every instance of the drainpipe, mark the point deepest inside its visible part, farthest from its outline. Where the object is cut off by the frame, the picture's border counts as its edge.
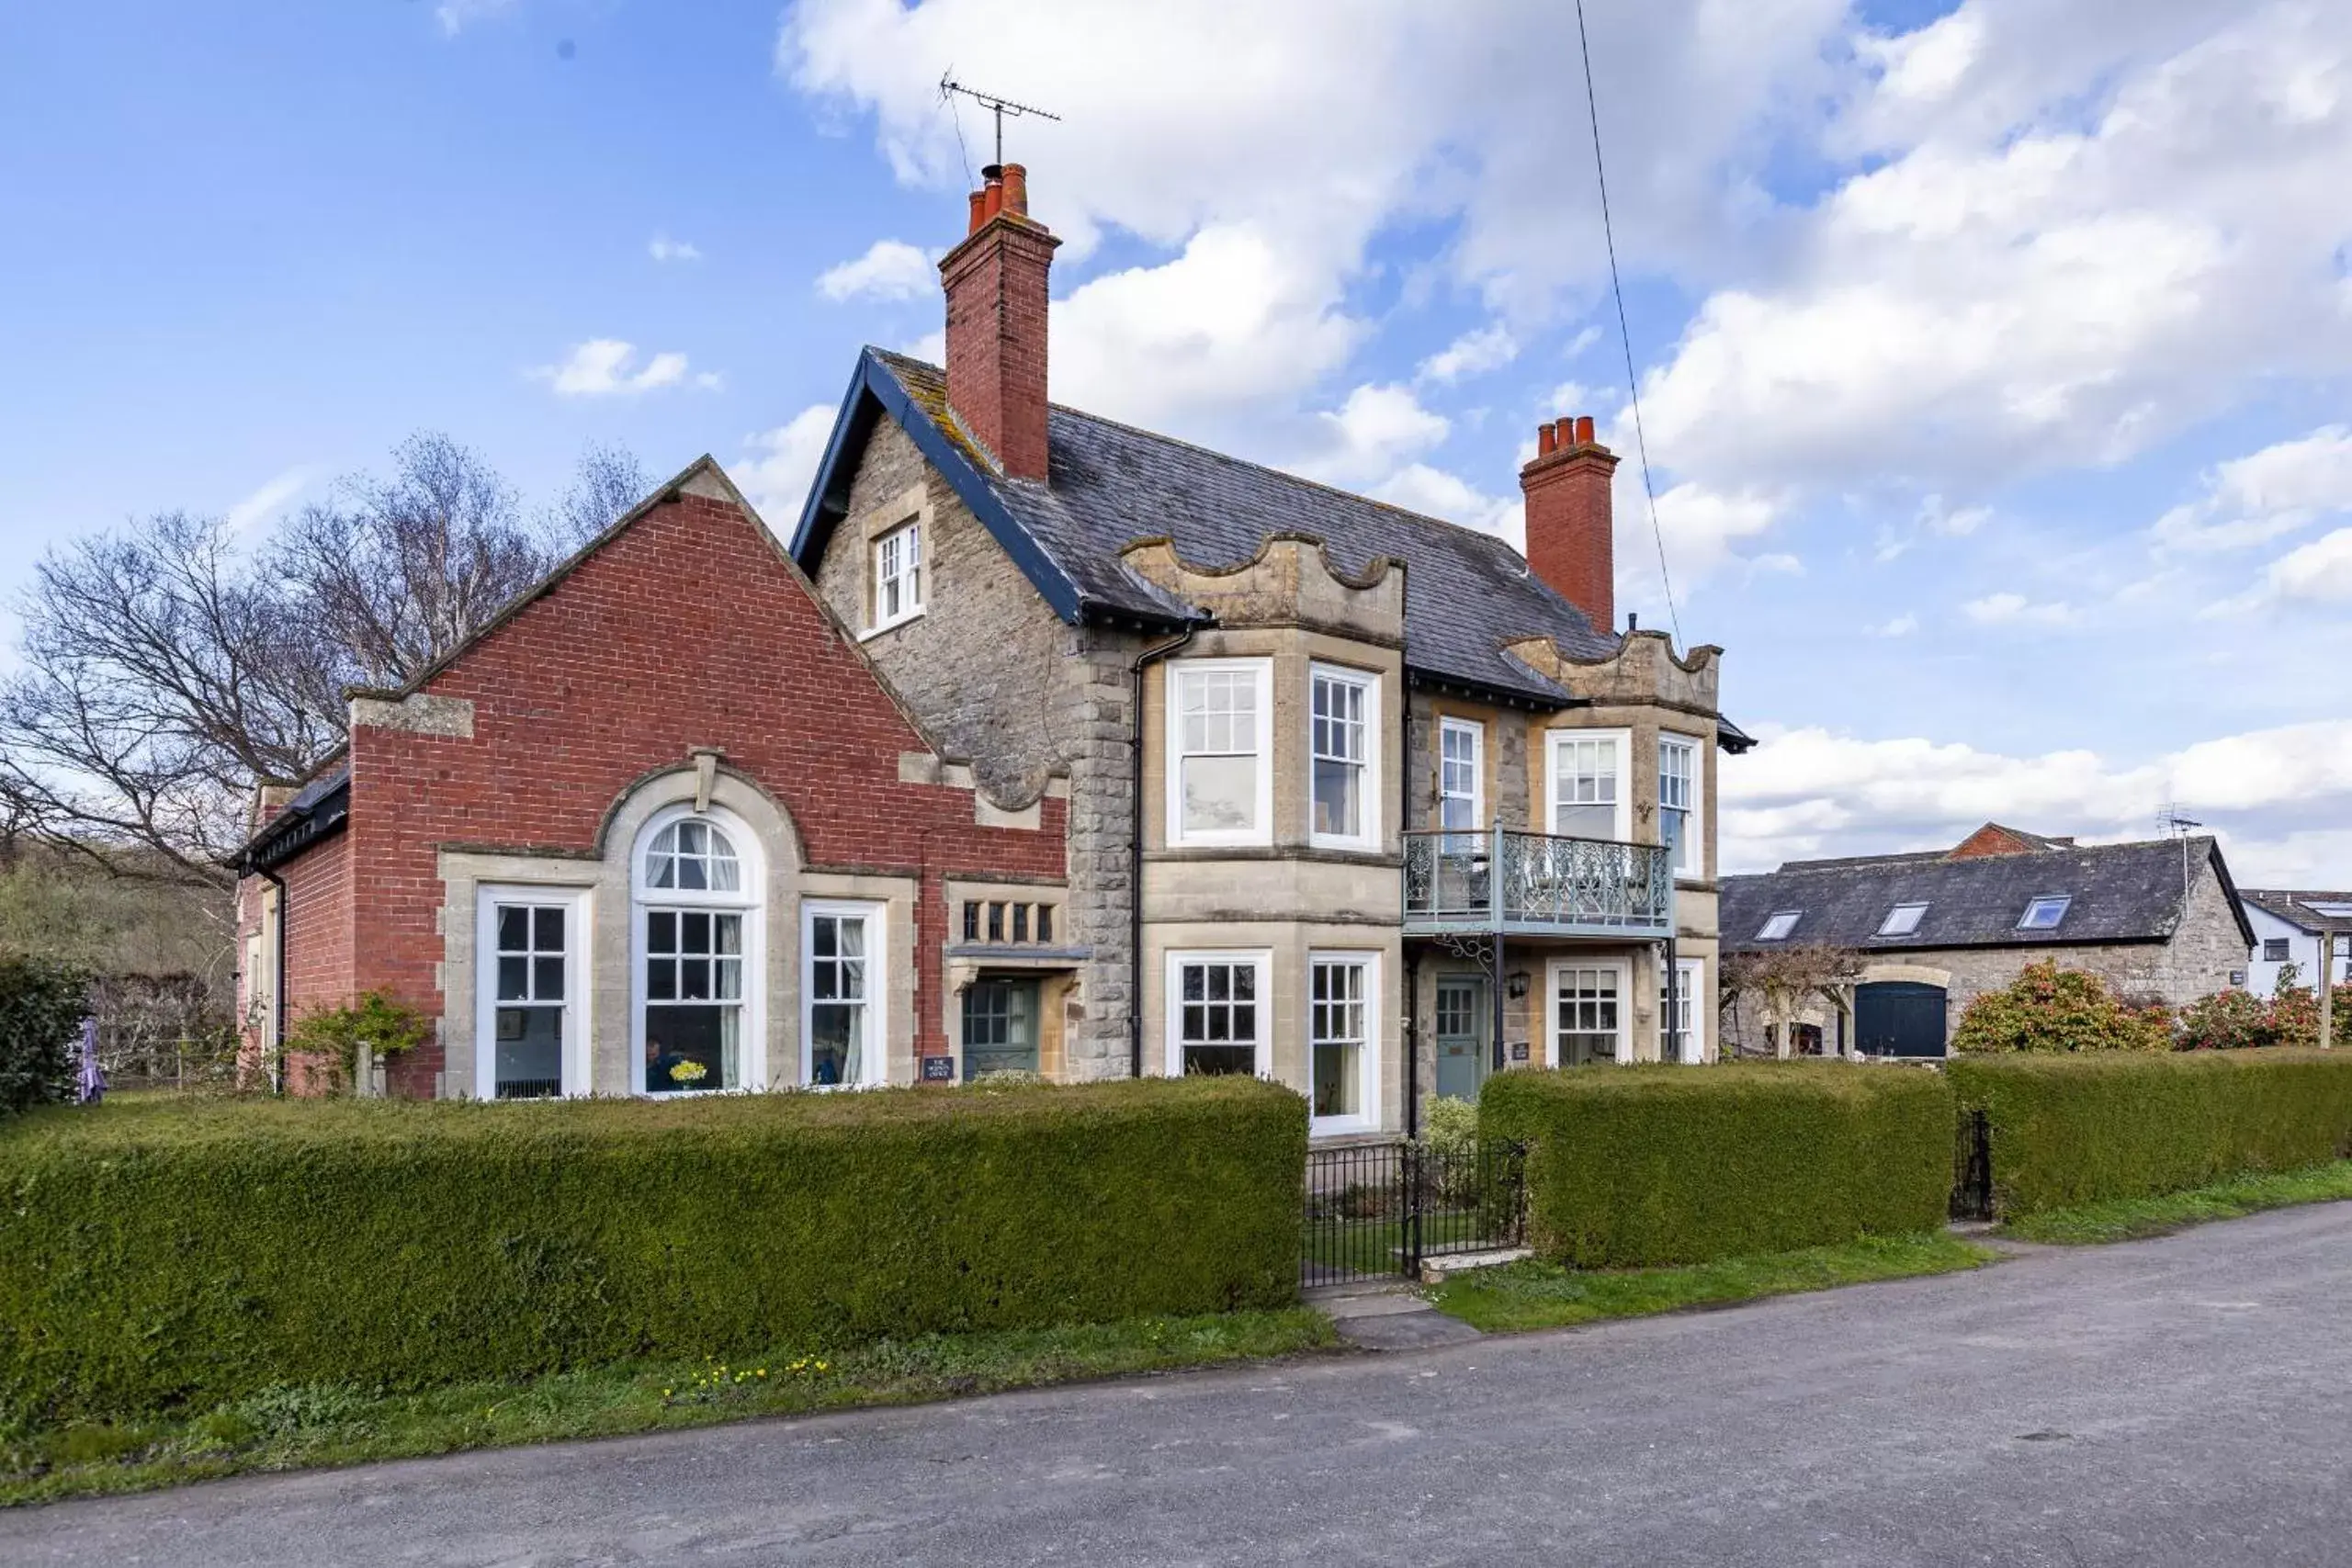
(1151, 655)
(1413, 1044)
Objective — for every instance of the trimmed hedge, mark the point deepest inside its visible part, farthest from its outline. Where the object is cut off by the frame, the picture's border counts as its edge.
(1630, 1166)
(162, 1254)
(41, 1004)
(2082, 1129)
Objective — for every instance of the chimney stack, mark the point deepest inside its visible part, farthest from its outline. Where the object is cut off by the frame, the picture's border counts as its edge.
(1569, 542)
(996, 283)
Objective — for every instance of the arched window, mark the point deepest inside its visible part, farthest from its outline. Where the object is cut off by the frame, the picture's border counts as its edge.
(698, 941)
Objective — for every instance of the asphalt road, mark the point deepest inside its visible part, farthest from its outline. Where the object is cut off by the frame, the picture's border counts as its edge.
(2181, 1401)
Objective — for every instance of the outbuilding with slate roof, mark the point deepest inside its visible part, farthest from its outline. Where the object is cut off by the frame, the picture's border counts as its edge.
(1928, 933)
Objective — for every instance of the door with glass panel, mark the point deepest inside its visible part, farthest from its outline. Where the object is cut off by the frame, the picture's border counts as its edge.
(1461, 1038)
(1588, 1014)
(838, 981)
(531, 990)
(1000, 1027)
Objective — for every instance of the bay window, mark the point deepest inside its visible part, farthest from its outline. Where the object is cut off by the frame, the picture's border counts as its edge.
(1679, 821)
(1343, 1046)
(1218, 1006)
(1344, 708)
(1220, 775)
(1680, 1036)
(1588, 794)
(1588, 1014)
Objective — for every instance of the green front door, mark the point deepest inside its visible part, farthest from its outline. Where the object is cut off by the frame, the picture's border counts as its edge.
(1000, 1027)
(1461, 1038)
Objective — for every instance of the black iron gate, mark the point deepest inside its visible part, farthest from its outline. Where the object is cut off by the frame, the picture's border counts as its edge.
(1971, 1184)
(1380, 1209)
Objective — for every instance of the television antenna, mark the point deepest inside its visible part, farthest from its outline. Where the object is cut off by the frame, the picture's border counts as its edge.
(999, 107)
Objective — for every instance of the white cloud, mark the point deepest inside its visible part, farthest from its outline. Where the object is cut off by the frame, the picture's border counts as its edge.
(2034, 271)
(891, 269)
(2252, 499)
(2318, 573)
(1901, 626)
(1808, 791)
(778, 464)
(456, 16)
(267, 502)
(2006, 609)
(663, 248)
(1472, 354)
(607, 368)
(1704, 528)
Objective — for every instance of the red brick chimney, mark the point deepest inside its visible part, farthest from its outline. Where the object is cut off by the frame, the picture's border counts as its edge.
(1569, 544)
(996, 324)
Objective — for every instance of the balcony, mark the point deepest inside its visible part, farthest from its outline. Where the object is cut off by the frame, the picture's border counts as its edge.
(1536, 884)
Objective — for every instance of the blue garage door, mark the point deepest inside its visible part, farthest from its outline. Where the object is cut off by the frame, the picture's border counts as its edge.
(1899, 1017)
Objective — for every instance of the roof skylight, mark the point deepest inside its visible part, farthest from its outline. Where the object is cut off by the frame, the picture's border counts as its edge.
(2044, 913)
(1777, 929)
(1902, 920)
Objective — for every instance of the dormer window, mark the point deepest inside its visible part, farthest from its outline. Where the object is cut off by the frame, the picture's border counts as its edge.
(2044, 913)
(1902, 920)
(1778, 927)
(897, 576)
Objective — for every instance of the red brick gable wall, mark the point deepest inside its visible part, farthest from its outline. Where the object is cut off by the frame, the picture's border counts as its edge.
(686, 629)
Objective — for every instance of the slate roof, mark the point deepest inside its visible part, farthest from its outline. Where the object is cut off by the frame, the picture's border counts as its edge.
(320, 807)
(1108, 485)
(2293, 906)
(2117, 892)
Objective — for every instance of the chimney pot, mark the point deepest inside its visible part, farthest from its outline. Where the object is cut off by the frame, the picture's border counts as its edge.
(1016, 189)
(1546, 439)
(979, 211)
(1584, 430)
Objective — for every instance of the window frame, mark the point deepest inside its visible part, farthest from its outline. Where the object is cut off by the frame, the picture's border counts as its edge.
(750, 901)
(1171, 1009)
(876, 914)
(2284, 946)
(1695, 842)
(1918, 910)
(1448, 725)
(1367, 684)
(579, 998)
(1368, 1068)
(1690, 976)
(911, 574)
(2026, 922)
(1173, 673)
(1765, 931)
(1554, 740)
(1624, 972)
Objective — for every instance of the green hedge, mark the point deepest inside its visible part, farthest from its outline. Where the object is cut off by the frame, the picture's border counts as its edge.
(2080, 1129)
(162, 1254)
(1631, 1167)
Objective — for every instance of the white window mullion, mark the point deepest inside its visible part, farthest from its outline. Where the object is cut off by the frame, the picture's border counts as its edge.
(1218, 752)
(1343, 729)
(1344, 1042)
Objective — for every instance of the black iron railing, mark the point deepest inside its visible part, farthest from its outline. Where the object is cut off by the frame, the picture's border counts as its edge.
(1378, 1208)
(1972, 1184)
(1496, 879)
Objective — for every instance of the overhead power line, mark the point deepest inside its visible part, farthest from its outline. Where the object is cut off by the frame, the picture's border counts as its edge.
(1624, 332)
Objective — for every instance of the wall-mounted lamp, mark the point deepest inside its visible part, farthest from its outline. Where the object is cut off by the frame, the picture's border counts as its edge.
(1516, 985)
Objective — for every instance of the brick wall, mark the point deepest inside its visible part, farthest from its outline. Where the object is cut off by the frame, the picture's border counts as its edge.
(688, 629)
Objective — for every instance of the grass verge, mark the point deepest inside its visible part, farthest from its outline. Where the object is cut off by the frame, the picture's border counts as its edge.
(2125, 1219)
(291, 1429)
(1532, 1295)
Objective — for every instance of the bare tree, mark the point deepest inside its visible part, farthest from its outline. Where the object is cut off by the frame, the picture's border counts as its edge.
(165, 672)
(1755, 988)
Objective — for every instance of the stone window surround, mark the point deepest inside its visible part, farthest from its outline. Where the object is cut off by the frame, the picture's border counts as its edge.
(910, 505)
(609, 983)
(751, 902)
(579, 905)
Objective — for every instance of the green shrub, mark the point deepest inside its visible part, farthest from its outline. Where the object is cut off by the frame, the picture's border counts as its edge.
(1630, 1166)
(1451, 1126)
(41, 1006)
(168, 1252)
(375, 1025)
(2048, 1010)
(2077, 1130)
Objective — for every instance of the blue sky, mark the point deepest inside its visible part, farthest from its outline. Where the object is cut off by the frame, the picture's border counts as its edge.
(1995, 361)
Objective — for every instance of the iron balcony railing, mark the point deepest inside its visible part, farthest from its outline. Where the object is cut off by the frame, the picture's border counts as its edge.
(1537, 885)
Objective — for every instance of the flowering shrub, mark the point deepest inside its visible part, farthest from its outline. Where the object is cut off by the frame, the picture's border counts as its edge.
(2049, 1009)
(2238, 1020)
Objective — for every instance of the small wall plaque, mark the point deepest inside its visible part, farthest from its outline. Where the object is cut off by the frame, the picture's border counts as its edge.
(938, 1069)
(1519, 1050)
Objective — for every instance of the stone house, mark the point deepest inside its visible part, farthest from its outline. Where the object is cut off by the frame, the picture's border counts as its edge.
(1927, 933)
(1357, 799)
(660, 829)
(2289, 926)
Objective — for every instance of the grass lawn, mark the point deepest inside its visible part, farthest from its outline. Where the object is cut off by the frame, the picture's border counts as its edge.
(2126, 1218)
(1532, 1295)
(292, 1429)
